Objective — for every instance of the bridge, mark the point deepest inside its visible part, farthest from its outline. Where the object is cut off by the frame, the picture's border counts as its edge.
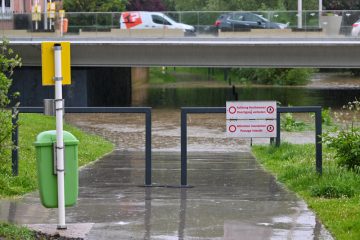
(203, 52)
(325, 39)
(102, 54)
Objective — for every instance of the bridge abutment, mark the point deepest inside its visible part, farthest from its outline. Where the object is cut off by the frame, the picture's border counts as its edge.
(91, 87)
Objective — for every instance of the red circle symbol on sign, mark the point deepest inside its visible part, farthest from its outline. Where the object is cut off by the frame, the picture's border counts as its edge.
(270, 128)
(232, 128)
(270, 109)
(232, 110)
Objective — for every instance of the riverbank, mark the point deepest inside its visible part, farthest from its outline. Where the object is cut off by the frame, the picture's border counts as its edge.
(317, 81)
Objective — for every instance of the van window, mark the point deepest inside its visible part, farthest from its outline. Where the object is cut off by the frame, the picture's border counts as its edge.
(159, 20)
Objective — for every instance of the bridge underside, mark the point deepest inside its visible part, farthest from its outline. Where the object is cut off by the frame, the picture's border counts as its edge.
(206, 53)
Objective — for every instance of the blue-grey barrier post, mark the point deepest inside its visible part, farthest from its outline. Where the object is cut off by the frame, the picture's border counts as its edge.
(148, 147)
(183, 147)
(187, 110)
(184, 112)
(146, 110)
(277, 141)
(318, 129)
(318, 132)
(15, 142)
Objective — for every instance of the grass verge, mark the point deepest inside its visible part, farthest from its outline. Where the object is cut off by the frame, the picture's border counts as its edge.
(91, 147)
(334, 196)
(10, 231)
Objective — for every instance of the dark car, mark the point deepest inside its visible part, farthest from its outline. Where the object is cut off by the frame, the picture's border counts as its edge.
(239, 21)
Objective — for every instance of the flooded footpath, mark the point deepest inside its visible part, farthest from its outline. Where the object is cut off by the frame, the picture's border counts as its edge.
(229, 195)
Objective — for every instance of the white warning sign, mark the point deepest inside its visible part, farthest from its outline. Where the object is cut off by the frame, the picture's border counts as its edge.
(251, 110)
(251, 128)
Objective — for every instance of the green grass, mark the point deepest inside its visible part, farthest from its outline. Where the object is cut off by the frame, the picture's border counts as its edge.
(91, 147)
(10, 231)
(158, 77)
(334, 196)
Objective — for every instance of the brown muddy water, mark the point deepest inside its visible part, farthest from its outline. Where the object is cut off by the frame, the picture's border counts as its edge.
(206, 132)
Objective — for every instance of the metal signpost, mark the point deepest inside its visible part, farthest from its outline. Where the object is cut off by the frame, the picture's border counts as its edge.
(59, 136)
(53, 63)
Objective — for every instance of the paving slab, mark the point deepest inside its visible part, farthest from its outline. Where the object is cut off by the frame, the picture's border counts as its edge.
(232, 198)
(73, 231)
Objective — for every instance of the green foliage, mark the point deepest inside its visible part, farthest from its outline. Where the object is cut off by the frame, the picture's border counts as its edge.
(90, 148)
(346, 141)
(343, 4)
(94, 5)
(288, 123)
(329, 190)
(8, 61)
(10, 231)
(276, 76)
(295, 76)
(160, 75)
(347, 146)
(334, 196)
(242, 5)
(326, 117)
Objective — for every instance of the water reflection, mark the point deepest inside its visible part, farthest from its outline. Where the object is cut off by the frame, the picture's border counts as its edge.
(217, 96)
(182, 213)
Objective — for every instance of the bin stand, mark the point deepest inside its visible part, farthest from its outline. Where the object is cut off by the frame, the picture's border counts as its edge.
(59, 137)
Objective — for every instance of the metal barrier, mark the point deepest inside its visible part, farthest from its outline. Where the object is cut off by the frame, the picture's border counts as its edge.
(202, 110)
(145, 110)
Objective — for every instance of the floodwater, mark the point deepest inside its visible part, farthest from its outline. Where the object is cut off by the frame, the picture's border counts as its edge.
(326, 90)
(232, 198)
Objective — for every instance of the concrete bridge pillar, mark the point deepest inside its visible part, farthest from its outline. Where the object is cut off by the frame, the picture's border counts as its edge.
(139, 85)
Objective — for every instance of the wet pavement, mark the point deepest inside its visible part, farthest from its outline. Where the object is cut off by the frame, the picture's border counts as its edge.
(232, 196)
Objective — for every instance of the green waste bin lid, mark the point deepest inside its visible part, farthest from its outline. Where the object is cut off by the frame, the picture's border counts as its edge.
(47, 138)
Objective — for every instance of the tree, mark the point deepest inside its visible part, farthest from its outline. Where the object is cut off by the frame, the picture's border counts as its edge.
(8, 61)
(170, 5)
(342, 4)
(95, 5)
(145, 5)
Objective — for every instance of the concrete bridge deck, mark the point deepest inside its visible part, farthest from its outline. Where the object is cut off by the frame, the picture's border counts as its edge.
(202, 52)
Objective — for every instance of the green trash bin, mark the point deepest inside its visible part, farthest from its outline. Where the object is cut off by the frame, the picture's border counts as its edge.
(45, 151)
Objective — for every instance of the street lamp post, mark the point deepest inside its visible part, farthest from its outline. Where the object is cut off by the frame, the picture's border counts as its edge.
(299, 13)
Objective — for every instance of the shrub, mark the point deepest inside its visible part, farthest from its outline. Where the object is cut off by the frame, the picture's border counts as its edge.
(279, 76)
(8, 61)
(290, 124)
(332, 191)
(326, 117)
(346, 141)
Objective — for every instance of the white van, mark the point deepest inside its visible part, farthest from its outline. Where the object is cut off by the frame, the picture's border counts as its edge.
(151, 20)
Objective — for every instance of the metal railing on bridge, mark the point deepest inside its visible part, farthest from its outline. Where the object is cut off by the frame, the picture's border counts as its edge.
(235, 24)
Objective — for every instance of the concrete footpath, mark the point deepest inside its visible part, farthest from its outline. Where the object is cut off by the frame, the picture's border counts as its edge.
(232, 198)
